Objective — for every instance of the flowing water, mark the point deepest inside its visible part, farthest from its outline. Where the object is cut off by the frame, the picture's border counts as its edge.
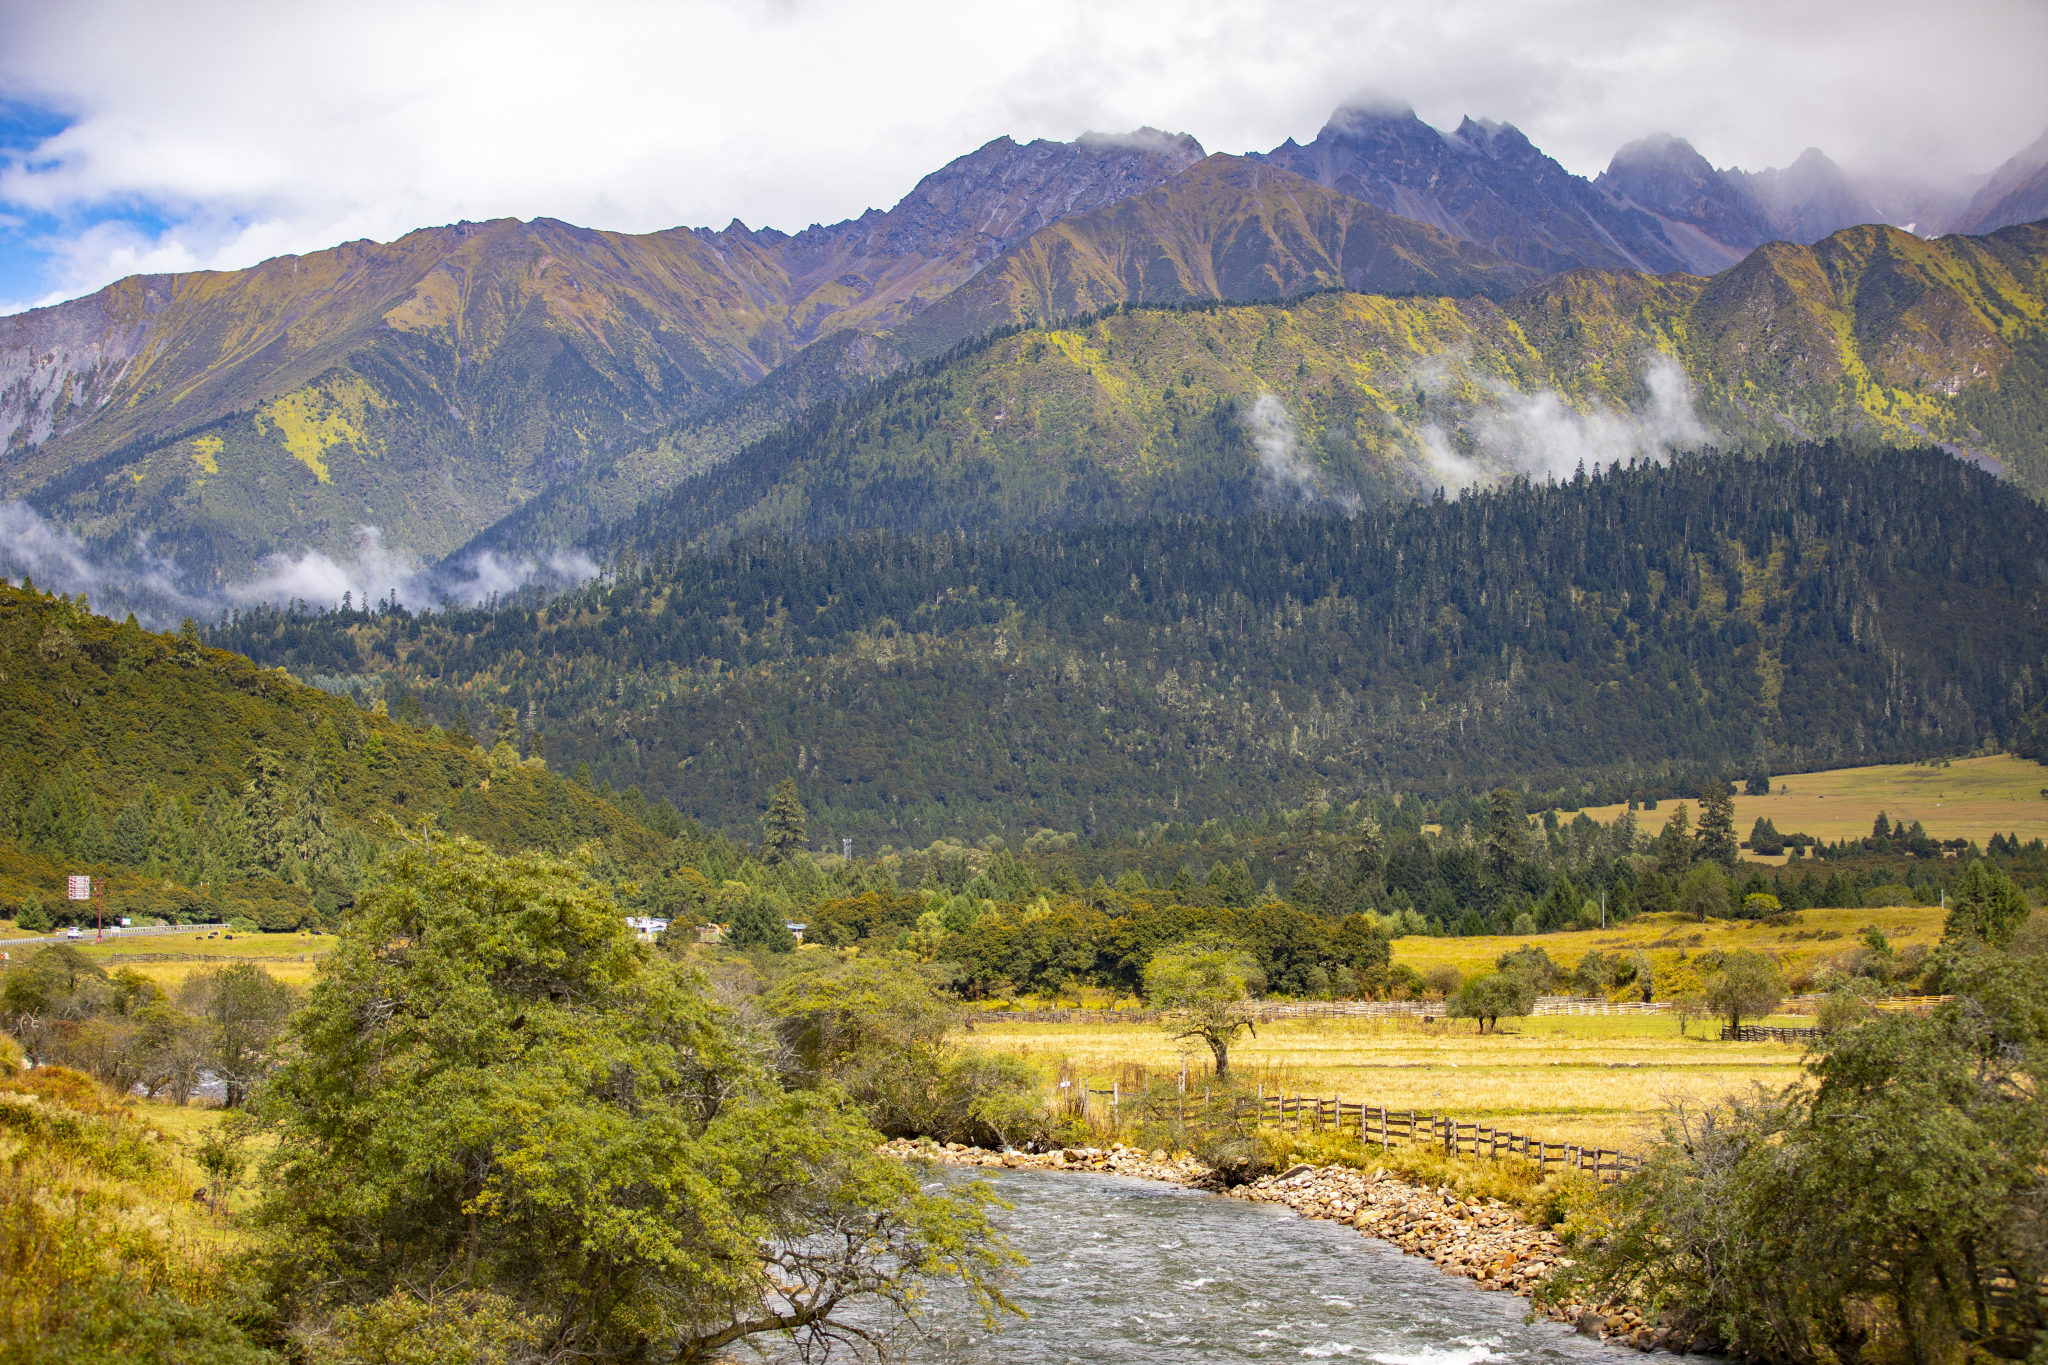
(1130, 1270)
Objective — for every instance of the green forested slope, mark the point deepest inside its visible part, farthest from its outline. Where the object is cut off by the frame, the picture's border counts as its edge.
(165, 758)
(1816, 607)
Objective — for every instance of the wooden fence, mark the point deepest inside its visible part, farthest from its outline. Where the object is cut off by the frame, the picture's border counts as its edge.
(1758, 1033)
(1377, 1125)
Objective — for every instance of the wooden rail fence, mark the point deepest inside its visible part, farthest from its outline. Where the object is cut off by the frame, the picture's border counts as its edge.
(1413, 1128)
(1388, 1128)
(1759, 1033)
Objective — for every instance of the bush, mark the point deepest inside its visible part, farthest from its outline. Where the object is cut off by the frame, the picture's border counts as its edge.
(1443, 979)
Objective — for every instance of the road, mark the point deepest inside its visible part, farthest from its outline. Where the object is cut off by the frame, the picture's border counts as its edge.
(87, 934)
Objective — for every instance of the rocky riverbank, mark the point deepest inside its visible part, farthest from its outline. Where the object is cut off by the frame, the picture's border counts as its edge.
(1480, 1239)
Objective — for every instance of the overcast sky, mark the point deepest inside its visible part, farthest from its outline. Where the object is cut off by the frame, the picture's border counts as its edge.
(152, 136)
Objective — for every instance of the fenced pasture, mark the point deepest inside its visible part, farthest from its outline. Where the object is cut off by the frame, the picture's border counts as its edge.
(1591, 1081)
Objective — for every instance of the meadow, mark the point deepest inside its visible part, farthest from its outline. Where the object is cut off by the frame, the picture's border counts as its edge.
(1800, 942)
(168, 959)
(1597, 1080)
(1971, 798)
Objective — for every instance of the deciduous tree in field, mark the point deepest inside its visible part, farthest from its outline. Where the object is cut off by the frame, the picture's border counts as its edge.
(1491, 998)
(1747, 985)
(1210, 988)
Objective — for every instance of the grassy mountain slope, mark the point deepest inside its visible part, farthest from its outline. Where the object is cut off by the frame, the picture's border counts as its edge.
(1872, 334)
(568, 513)
(1808, 609)
(1229, 228)
(98, 717)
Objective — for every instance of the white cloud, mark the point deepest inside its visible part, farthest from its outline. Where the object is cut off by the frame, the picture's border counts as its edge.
(256, 129)
(1290, 475)
(1543, 436)
(152, 587)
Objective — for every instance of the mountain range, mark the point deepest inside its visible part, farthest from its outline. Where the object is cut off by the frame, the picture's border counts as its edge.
(552, 378)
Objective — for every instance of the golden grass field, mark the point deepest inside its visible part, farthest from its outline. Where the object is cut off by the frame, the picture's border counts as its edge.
(1598, 1081)
(1972, 798)
(1798, 946)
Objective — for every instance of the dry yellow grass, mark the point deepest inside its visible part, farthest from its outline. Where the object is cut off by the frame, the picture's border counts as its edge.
(293, 958)
(1972, 798)
(1798, 946)
(1598, 1081)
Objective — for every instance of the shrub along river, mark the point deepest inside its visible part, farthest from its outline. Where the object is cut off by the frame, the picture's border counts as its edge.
(1133, 1270)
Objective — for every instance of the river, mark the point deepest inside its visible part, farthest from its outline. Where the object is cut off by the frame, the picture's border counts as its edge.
(1131, 1270)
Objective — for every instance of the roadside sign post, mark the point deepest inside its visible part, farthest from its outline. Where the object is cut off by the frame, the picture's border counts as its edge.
(80, 889)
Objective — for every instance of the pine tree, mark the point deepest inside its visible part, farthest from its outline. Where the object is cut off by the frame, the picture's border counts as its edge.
(1717, 824)
(1507, 836)
(782, 829)
(1674, 845)
(1985, 908)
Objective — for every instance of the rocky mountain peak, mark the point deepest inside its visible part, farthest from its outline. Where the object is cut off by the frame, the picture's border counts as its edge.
(1668, 176)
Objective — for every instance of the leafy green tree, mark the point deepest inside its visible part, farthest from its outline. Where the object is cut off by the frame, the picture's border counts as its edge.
(1717, 842)
(1209, 987)
(1891, 1209)
(1493, 997)
(245, 1009)
(1703, 893)
(1531, 961)
(759, 921)
(1985, 907)
(782, 828)
(523, 1098)
(33, 916)
(1747, 984)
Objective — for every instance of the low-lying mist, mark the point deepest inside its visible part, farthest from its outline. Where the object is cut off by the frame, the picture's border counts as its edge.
(1507, 432)
(152, 586)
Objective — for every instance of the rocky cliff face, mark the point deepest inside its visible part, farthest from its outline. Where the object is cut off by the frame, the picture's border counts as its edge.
(1487, 184)
(1233, 228)
(1665, 175)
(2016, 192)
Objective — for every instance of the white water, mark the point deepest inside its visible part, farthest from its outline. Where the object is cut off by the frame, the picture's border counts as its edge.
(1126, 1270)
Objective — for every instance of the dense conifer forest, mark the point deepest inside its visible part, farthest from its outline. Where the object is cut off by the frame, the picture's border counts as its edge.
(1626, 632)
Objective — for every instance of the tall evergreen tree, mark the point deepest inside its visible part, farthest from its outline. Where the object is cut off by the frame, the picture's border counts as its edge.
(782, 829)
(1717, 842)
(1507, 836)
(1674, 845)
